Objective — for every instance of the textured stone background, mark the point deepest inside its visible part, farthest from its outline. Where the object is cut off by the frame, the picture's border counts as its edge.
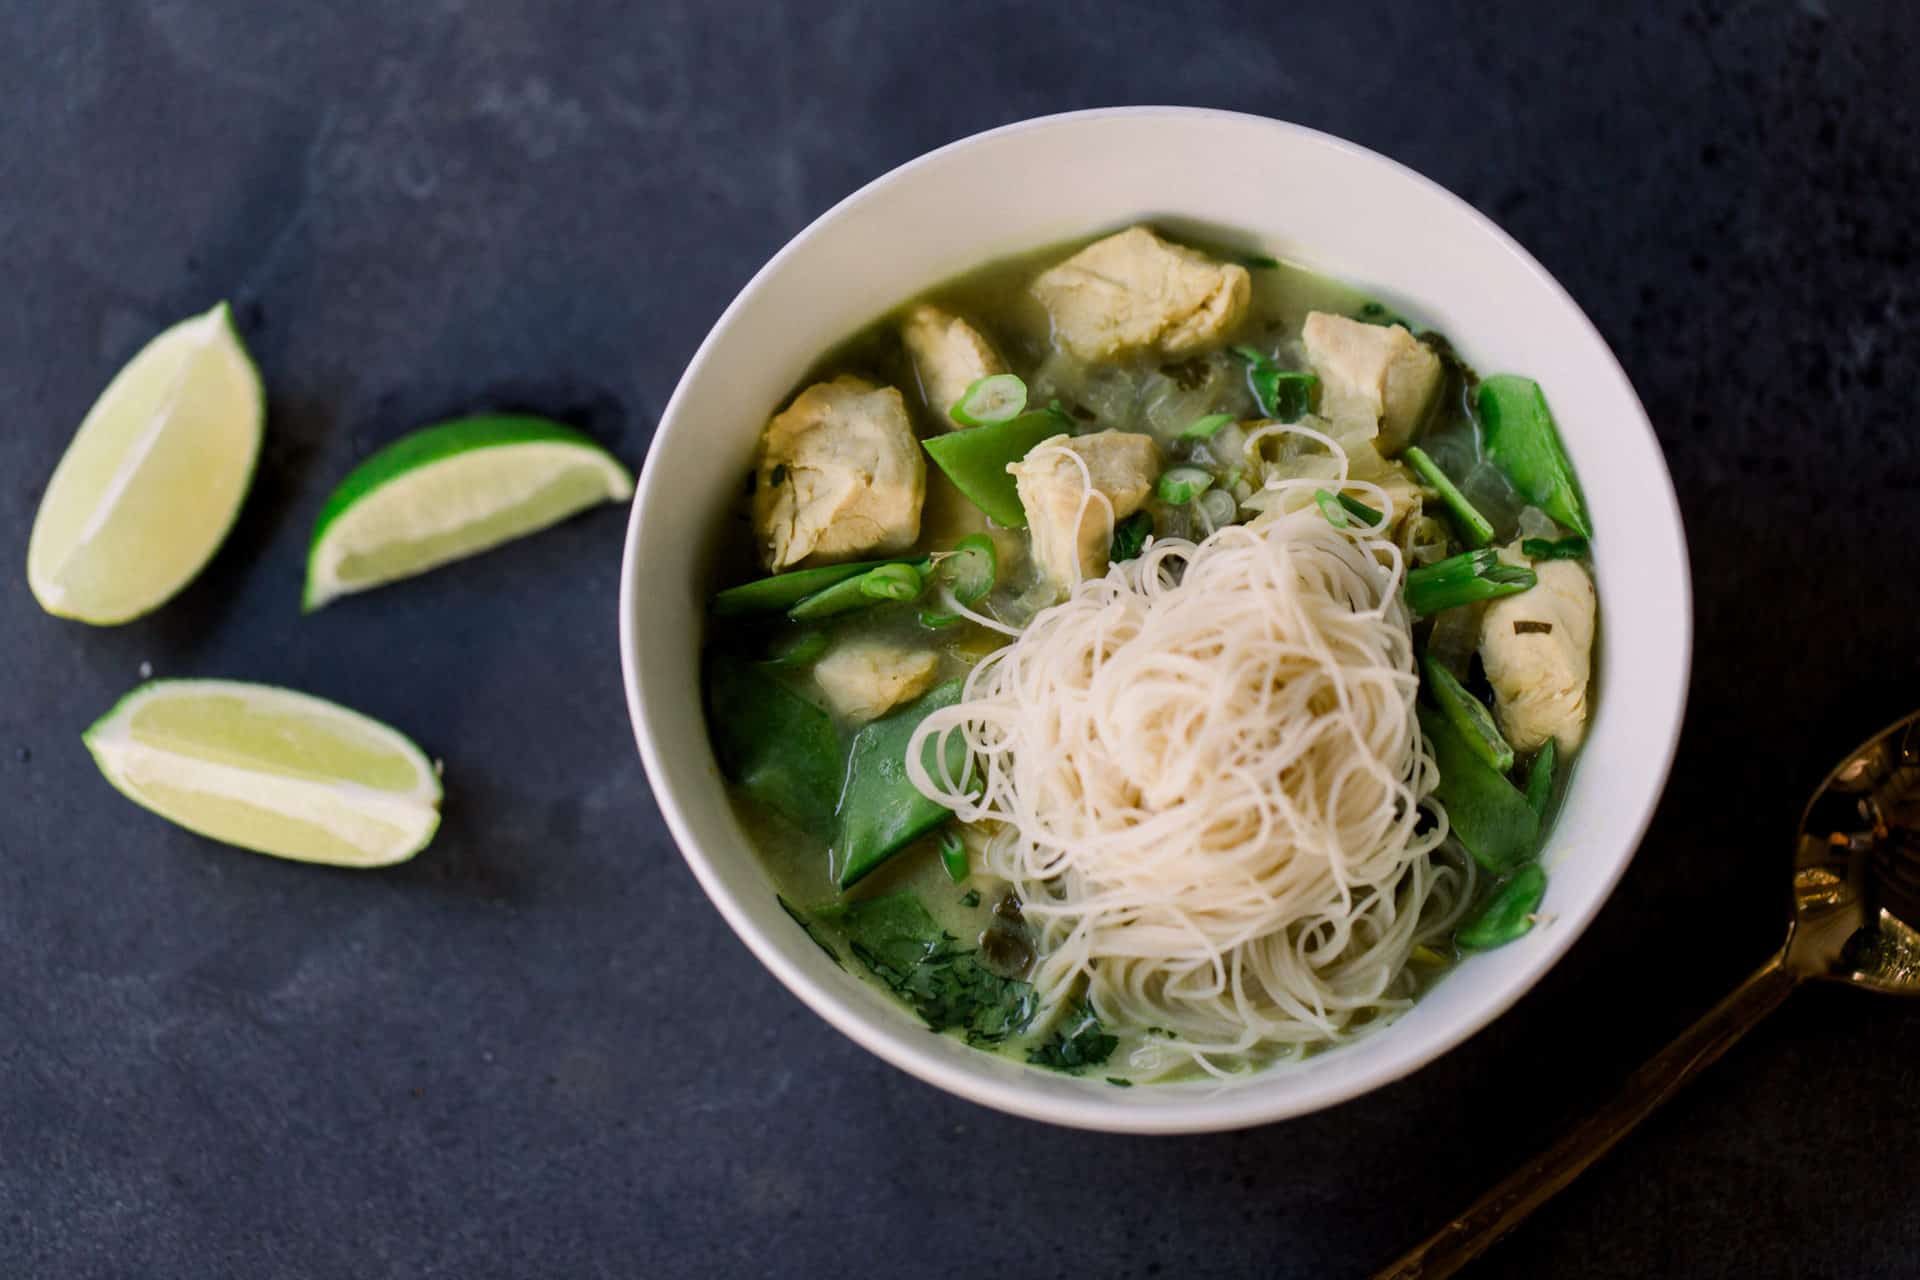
(536, 1050)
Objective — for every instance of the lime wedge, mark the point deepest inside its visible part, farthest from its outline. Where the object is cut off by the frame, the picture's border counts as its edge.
(451, 491)
(270, 770)
(153, 479)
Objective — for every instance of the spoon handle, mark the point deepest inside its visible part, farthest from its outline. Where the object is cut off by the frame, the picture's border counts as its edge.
(1497, 1212)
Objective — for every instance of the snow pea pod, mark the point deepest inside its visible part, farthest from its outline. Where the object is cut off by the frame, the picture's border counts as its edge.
(1508, 914)
(976, 460)
(1523, 442)
(880, 809)
(1491, 818)
(779, 748)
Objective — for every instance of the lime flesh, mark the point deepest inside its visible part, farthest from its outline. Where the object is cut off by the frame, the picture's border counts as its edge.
(451, 491)
(270, 770)
(153, 479)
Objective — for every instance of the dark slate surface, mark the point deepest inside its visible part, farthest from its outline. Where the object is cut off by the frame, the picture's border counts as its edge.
(536, 1051)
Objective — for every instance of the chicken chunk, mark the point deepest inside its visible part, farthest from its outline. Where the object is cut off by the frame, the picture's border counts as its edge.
(840, 475)
(949, 355)
(1133, 290)
(1073, 529)
(1538, 650)
(866, 678)
(1372, 377)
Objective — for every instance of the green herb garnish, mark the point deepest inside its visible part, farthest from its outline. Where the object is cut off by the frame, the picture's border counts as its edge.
(1573, 547)
(1285, 395)
(1463, 579)
(1181, 485)
(1130, 536)
(1205, 428)
(1079, 1041)
(945, 984)
(807, 926)
(1475, 528)
(953, 856)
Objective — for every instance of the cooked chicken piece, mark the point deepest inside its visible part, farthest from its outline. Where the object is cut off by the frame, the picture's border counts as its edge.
(1371, 376)
(1053, 484)
(949, 355)
(1134, 290)
(1538, 650)
(840, 476)
(866, 678)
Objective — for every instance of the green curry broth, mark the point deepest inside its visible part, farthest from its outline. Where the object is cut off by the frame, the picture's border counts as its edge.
(1146, 394)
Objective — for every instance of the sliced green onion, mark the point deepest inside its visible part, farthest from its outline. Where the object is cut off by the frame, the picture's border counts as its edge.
(796, 649)
(968, 572)
(953, 856)
(1574, 547)
(1462, 579)
(1508, 914)
(1284, 395)
(1130, 536)
(1469, 715)
(1218, 506)
(1540, 778)
(1341, 510)
(994, 398)
(1362, 511)
(1204, 428)
(1261, 262)
(1180, 485)
(1475, 528)
(893, 582)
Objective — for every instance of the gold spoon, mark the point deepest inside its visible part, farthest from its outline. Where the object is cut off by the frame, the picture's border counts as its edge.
(1856, 904)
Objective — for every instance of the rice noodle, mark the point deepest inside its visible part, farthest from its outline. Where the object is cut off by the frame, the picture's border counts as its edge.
(1203, 775)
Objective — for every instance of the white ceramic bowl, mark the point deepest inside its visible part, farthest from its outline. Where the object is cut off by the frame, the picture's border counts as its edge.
(1328, 204)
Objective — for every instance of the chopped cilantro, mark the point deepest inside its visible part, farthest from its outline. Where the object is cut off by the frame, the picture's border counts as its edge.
(1079, 1041)
(1130, 536)
(1284, 395)
(1119, 1082)
(945, 984)
(807, 925)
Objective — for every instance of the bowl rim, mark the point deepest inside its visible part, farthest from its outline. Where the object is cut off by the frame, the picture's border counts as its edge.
(1092, 1112)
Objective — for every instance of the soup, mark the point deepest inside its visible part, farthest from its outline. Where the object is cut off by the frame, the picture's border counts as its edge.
(1152, 662)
